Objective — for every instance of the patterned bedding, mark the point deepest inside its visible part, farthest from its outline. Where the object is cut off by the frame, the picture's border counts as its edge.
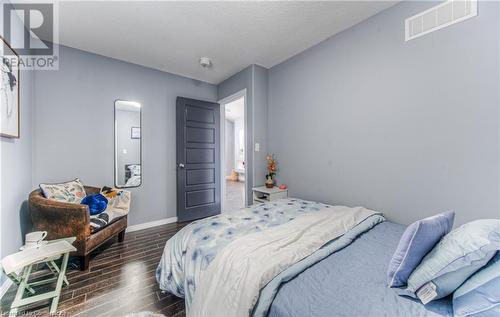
(191, 250)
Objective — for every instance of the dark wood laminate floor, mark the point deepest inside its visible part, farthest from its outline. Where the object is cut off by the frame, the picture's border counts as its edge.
(119, 281)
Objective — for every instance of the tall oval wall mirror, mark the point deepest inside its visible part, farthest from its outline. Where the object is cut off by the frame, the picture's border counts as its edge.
(128, 139)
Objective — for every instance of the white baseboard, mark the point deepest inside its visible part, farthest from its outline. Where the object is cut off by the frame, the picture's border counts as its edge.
(151, 224)
(5, 287)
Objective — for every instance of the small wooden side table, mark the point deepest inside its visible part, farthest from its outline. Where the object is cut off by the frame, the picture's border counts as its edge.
(59, 276)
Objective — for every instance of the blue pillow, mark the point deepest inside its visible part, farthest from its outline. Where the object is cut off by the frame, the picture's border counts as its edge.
(97, 203)
(480, 294)
(457, 256)
(417, 240)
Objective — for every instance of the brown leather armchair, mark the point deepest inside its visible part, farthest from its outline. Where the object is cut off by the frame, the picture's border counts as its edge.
(62, 220)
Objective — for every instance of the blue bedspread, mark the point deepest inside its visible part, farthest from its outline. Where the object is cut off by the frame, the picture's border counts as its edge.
(352, 282)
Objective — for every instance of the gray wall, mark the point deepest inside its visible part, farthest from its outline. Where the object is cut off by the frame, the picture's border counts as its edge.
(73, 130)
(15, 164)
(230, 86)
(260, 134)
(407, 128)
(16, 174)
(254, 80)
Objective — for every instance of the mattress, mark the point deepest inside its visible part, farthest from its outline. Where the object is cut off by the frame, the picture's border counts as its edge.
(352, 282)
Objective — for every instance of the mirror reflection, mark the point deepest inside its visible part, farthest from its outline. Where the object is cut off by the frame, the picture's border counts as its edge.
(127, 144)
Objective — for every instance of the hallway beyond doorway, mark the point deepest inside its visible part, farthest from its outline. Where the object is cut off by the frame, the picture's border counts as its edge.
(235, 195)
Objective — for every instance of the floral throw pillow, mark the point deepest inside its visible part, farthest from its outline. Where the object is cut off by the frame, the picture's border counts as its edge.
(69, 192)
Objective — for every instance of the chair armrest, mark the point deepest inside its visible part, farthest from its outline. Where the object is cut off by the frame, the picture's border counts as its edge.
(59, 219)
(90, 190)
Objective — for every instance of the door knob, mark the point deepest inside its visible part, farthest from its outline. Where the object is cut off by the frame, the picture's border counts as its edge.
(181, 165)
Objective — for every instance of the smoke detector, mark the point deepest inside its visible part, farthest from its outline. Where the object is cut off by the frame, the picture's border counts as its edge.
(205, 62)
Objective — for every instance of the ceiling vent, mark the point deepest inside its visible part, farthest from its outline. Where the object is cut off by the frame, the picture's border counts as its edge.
(438, 17)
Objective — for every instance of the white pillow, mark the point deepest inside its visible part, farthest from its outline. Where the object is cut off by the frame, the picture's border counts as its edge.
(69, 192)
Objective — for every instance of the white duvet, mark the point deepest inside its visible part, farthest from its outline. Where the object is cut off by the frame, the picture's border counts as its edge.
(231, 284)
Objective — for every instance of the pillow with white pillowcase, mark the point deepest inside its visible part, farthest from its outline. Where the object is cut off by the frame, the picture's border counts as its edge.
(479, 296)
(68, 192)
(457, 256)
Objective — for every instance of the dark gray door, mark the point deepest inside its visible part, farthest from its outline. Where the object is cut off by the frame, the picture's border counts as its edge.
(198, 159)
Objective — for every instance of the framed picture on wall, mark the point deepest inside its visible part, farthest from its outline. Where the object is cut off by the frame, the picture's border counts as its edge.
(135, 133)
(9, 91)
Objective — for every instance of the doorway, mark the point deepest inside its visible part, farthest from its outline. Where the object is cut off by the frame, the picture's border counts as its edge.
(234, 153)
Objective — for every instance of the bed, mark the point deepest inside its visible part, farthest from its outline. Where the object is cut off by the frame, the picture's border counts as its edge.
(132, 175)
(288, 258)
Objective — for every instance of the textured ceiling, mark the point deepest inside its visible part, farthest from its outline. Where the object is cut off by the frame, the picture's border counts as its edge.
(172, 36)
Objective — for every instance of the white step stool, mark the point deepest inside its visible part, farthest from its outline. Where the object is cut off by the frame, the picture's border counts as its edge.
(24, 260)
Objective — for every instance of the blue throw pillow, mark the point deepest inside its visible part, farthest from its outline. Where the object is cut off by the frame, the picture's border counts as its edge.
(480, 294)
(417, 240)
(457, 256)
(97, 203)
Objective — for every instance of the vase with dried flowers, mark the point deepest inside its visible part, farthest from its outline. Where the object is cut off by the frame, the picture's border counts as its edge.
(272, 168)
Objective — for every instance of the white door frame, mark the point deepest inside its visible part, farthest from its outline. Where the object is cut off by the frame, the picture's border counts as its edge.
(223, 102)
